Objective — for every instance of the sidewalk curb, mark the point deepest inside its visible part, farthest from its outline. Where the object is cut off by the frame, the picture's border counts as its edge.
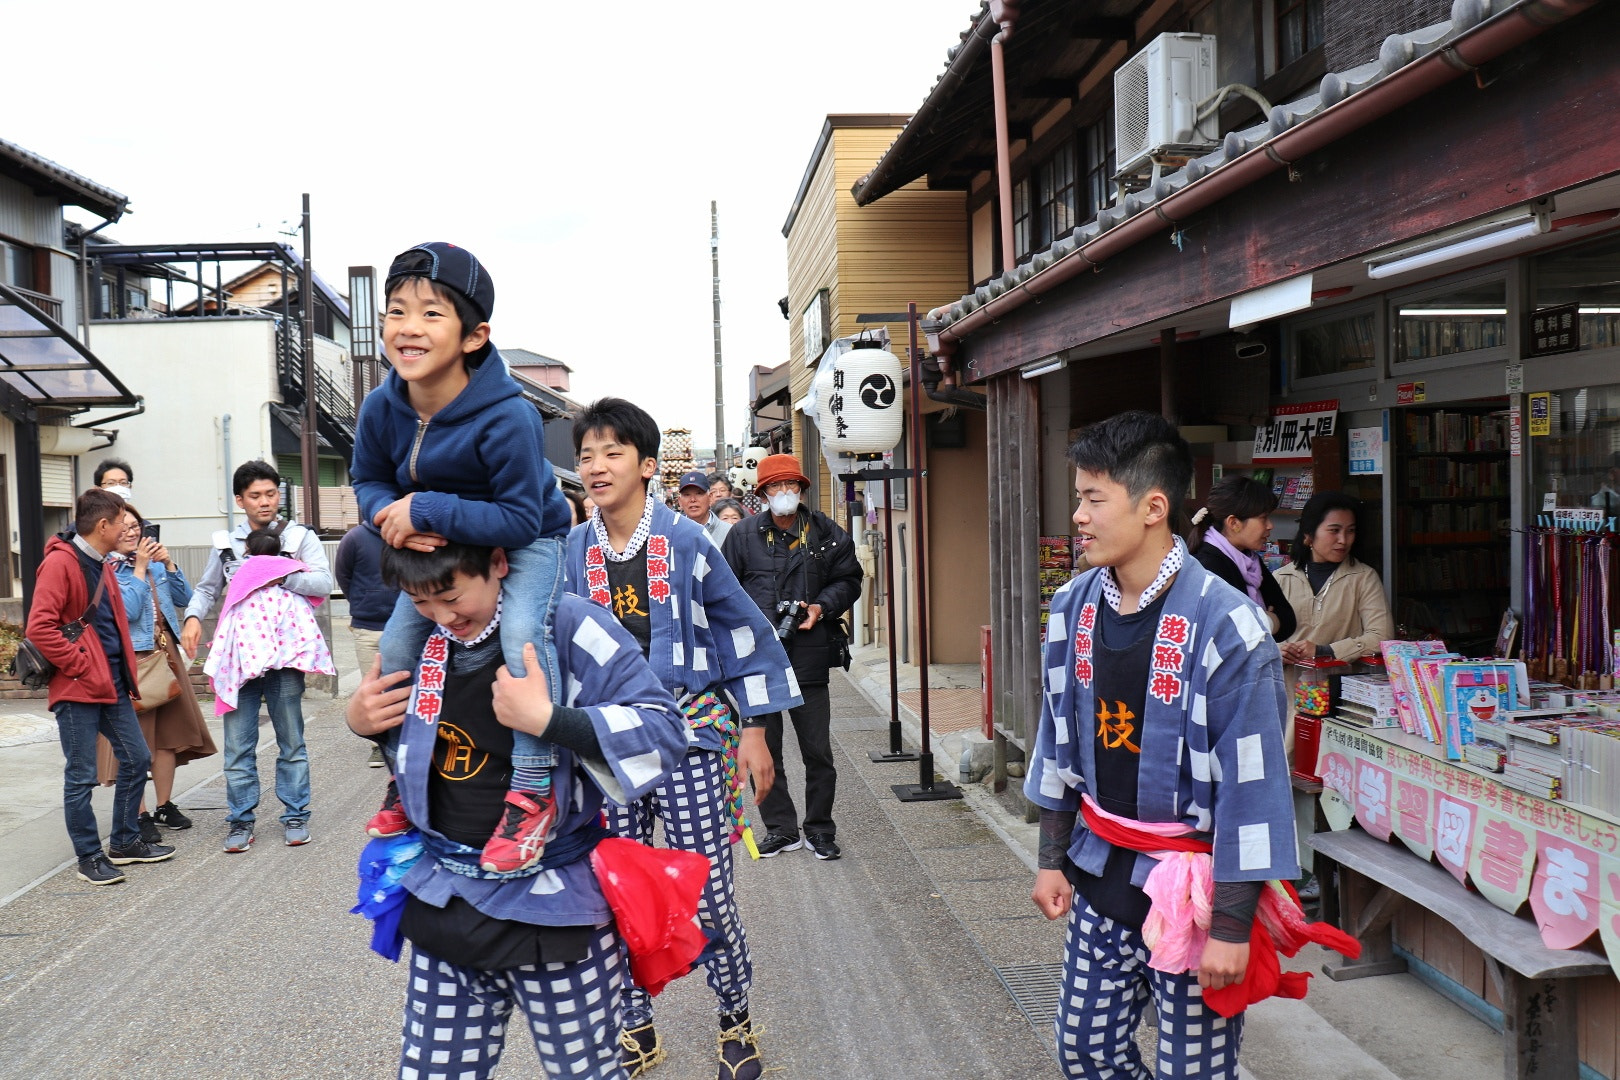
(950, 750)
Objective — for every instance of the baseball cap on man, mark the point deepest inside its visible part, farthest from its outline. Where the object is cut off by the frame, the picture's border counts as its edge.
(454, 268)
(780, 467)
(695, 479)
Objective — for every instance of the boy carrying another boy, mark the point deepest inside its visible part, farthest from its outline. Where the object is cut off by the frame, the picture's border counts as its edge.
(545, 939)
(1162, 726)
(659, 575)
(448, 450)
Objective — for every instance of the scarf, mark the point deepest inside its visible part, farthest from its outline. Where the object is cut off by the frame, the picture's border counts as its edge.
(639, 537)
(1247, 562)
(1167, 571)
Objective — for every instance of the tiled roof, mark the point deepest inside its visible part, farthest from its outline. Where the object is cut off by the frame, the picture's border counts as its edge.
(1398, 51)
(525, 358)
(43, 173)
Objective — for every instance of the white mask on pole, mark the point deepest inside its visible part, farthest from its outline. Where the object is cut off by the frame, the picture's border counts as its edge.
(784, 503)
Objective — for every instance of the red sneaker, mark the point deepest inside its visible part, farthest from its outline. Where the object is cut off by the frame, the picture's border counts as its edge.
(521, 838)
(391, 819)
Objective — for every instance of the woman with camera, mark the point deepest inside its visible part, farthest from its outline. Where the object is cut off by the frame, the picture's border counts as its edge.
(153, 585)
(800, 568)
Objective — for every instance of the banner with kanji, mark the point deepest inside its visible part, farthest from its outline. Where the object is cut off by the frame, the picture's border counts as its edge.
(1509, 845)
(1287, 436)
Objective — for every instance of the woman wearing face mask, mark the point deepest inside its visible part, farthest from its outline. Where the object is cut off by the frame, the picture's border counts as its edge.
(1227, 537)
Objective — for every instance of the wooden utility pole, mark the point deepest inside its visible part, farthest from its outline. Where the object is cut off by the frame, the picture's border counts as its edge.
(309, 445)
(719, 371)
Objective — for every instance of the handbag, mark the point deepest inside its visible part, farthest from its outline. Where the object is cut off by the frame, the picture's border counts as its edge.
(154, 677)
(31, 667)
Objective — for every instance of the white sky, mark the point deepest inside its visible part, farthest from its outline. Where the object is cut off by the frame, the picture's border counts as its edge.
(574, 148)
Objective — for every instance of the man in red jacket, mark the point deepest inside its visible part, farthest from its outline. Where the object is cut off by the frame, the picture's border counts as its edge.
(86, 636)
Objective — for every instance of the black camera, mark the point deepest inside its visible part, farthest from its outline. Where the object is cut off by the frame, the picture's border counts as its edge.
(791, 613)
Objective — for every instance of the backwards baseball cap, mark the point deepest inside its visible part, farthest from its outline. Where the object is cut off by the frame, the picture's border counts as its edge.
(454, 268)
(694, 479)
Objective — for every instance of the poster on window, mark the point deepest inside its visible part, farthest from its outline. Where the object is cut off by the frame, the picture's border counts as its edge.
(1287, 436)
(1509, 845)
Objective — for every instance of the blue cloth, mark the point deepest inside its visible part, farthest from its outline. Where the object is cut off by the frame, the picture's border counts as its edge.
(642, 735)
(358, 570)
(381, 896)
(172, 589)
(480, 474)
(77, 724)
(529, 595)
(1211, 733)
(707, 633)
(282, 691)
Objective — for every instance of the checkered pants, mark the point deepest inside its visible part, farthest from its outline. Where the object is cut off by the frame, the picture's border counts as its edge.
(1106, 983)
(692, 806)
(455, 1017)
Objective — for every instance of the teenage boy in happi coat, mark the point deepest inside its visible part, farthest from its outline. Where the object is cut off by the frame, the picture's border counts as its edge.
(541, 945)
(707, 641)
(1161, 723)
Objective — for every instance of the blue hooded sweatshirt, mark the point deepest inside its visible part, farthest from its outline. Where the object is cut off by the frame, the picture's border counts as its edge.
(478, 467)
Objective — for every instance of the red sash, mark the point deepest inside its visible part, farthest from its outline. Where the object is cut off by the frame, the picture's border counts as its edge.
(1279, 923)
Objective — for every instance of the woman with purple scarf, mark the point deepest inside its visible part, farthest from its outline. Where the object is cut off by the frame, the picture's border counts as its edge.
(1227, 537)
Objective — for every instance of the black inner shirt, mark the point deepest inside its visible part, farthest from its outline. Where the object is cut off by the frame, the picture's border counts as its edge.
(627, 586)
(1123, 657)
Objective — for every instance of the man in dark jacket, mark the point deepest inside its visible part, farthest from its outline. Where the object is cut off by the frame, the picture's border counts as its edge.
(801, 570)
(91, 690)
(357, 568)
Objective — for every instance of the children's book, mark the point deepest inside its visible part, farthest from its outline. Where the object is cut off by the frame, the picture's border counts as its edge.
(1475, 691)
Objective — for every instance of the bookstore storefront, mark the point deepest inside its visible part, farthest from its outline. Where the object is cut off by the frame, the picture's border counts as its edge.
(1480, 424)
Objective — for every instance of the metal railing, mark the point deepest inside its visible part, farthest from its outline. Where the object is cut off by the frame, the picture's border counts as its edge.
(334, 408)
(50, 305)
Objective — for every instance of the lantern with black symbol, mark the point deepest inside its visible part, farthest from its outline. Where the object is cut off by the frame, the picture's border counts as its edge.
(744, 476)
(858, 404)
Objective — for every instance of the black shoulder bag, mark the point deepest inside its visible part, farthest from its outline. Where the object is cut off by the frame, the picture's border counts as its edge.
(30, 667)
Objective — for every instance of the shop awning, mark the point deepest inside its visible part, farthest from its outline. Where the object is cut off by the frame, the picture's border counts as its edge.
(43, 362)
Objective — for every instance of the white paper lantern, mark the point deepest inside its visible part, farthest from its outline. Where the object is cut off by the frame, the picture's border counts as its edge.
(858, 403)
(744, 477)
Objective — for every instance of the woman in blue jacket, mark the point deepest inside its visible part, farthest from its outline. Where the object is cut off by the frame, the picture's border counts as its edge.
(175, 731)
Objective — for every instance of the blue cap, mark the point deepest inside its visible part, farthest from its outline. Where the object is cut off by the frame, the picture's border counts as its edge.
(454, 268)
(694, 479)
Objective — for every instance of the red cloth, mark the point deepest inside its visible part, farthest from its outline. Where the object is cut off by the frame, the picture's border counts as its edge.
(60, 596)
(654, 896)
(1279, 925)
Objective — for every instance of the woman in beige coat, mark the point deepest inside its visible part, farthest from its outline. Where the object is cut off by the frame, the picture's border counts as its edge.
(1338, 601)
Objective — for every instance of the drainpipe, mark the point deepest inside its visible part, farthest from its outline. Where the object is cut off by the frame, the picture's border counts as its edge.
(1004, 13)
(230, 497)
(1466, 53)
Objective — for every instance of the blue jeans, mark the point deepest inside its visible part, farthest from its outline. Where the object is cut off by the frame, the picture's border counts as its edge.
(77, 724)
(282, 691)
(529, 598)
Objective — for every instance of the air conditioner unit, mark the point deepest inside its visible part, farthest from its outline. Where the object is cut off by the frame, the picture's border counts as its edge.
(1156, 97)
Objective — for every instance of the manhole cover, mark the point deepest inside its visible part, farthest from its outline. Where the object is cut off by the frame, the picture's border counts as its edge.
(1034, 988)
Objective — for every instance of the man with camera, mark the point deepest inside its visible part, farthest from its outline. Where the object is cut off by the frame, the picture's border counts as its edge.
(800, 568)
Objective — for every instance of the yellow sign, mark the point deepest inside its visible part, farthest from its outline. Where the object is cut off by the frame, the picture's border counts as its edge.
(1541, 414)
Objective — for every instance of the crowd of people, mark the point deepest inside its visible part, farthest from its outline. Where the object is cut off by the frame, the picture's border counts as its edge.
(572, 693)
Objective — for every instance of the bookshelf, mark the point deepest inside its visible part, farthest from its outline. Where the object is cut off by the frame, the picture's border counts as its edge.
(1452, 557)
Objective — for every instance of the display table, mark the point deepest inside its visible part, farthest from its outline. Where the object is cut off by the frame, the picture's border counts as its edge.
(1510, 846)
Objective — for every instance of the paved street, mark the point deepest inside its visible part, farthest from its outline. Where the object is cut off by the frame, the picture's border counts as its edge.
(249, 965)
(883, 964)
